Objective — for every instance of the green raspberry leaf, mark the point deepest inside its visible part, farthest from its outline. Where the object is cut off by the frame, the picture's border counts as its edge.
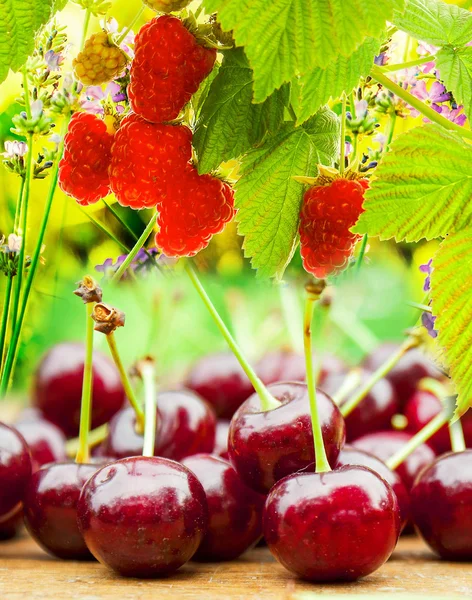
(20, 20)
(267, 196)
(455, 66)
(287, 38)
(314, 89)
(229, 123)
(422, 187)
(435, 22)
(451, 291)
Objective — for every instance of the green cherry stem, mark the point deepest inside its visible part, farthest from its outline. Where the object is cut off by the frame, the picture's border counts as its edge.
(423, 435)
(456, 434)
(352, 380)
(377, 375)
(147, 371)
(342, 149)
(291, 312)
(83, 452)
(406, 65)
(420, 106)
(126, 382)
(268, 402)
(96, 436)
(313, 293)
(136, 248)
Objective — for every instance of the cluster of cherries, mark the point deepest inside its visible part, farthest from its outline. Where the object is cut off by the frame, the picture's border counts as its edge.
(216, 486)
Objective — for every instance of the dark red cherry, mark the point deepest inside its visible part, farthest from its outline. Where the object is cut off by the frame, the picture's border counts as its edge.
(221, 439)
(404, 377)
(424, 406)
(286, 365)
(50, 508)
(352, 456)
(441, 503)
(373, 413)
(235, 511)
(58, 387)
(185, 425)
(15, 470)
(266, 446)
(221, 381)
(11, 525)
(143, 517)
(46, 441)
(335, 526)
(384, 444)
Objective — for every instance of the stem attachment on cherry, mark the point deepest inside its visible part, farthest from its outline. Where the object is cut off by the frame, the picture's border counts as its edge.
(268, 401)
(107, 319)
(313, 292)
(412, 342)
(424, 434)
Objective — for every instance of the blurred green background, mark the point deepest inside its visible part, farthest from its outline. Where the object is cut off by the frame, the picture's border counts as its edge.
(164, 315)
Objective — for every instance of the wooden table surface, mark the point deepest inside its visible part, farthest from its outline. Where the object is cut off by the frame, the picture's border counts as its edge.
(27, 573)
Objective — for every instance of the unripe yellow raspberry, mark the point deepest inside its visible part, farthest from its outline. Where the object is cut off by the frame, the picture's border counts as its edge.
(100, 61)
(166, 6)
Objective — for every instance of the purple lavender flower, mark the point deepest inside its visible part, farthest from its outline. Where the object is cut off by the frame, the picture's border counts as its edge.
(94, 95)
(144, 260)
(432, 97)
(454, 114)
(53, 60)
(427, 268)
(428, 321)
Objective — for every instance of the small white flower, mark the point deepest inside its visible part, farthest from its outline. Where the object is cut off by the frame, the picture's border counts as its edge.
(14, 242)
(36, 109)
(15, 148)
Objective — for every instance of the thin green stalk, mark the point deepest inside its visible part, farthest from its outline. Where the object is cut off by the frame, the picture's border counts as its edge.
(5, 311)
(122, 222)
(456, 434)
(95, 437)
(87, 16)
(26, 93)
(130, 26)
(377, 375)
(434, 387)
(391, 129)
(268, 402)
(150, 394)
(423, 307)
(136, 248)
(352, 380)
(126, 383)
(353, 327)
(106, 231)
(18, 208)
(360, 258)
(425, 110)
(321, 460)
(406, 65)
(342, 156)
(291, 312)
(83, 452)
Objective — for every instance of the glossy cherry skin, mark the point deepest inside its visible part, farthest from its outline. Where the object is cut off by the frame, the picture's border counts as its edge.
(221, 381)
(143, 517)
(267, 446)
(234, 510)
(11, 525)
(58, 387)
(15, 470)
(186, 425)
(373, 413)
(441, 503)
(353, 456)
(221, 439)
(384, 444)
(404, 377)
(50, 508)
(286, 365)
(46, 441)
(335, 526)
(424, 406)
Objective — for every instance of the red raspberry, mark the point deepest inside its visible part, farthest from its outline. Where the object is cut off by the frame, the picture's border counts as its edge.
(145, 157)
(197, 207)
(328, 212)
(168, 66)
(83, 169)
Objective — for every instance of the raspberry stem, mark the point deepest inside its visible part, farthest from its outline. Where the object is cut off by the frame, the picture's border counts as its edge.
(313, 293)
(136, 248)
(406, 65)
(420, 106)
(88, 14)
(386, 367)
(268, 402)
(121, 38)
(147, 372)
(423, 435)
(342, 157)
(83, 452)
(360, 258)
(104, 229)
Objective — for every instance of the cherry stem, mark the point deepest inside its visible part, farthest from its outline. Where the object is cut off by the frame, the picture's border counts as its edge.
(377, 375)
(321, 460)
(83, 452)
(423, 435)
(126, 383)
(342, 157)
(377, 74)
(290, 305)
(268, 402)
(130, 26)
(96, 436)
(352, 380)
(456, 433)
(148, 375)
(433, 386)
(136, 248)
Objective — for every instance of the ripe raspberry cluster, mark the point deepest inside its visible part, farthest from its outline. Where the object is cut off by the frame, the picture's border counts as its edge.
(328, 212)
(148, 162)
